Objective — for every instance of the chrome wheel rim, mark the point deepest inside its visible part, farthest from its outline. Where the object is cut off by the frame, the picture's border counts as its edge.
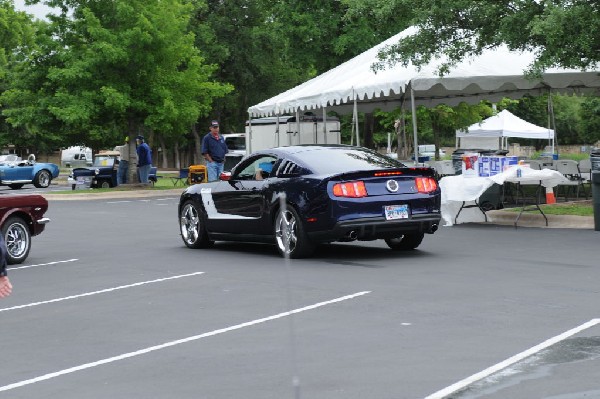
(44, 179)
(285, 232)
(17, 240)
(190, 224)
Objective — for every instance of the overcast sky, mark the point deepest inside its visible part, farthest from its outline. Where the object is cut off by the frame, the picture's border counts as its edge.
(39, 10)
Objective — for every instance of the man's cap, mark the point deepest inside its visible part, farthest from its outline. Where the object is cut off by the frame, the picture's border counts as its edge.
(140, 137)
(214, 124)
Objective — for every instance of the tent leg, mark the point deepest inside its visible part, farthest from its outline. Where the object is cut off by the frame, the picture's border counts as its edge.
(414, 122)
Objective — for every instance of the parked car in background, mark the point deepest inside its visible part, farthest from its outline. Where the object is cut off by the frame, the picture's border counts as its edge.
(75, 156)
(428, 150)
(332, 193)
(102, 174)
(236, 145)
(16, 172)
(21, 217)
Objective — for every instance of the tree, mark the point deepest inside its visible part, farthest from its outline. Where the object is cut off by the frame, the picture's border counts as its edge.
(590, 120)
(117, 66)
(17, 32)
(564, 33)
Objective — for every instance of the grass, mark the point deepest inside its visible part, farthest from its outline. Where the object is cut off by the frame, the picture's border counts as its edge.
(163, 183)
(580, 208)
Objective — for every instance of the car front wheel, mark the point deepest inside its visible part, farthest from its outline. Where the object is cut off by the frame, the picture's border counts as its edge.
(193, 229)
(42, 179)
(290, 235)
(18, 239)
(405, 242)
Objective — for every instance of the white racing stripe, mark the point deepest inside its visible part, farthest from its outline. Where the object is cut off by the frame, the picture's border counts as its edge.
(66, 298)
(43, 264)
(510, 361)
(176, 342)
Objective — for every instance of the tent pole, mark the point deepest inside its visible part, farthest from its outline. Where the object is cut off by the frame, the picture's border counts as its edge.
(249, 138)
(324, 125)
(298, 124)
(356, 122)
(414, 122)
(277, 128)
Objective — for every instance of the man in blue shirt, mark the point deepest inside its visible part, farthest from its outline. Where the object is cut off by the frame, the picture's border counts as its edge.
(144, 159)
(214, 150)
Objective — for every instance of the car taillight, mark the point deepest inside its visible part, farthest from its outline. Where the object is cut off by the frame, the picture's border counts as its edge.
(353, 189)
(426, 184)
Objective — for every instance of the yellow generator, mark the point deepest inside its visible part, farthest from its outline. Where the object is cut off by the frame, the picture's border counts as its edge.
(197, 174)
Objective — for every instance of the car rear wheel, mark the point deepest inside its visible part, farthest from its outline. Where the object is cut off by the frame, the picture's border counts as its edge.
(193, 229)
(290, 235)
(42, 179)
(18, 239)
(405, 242)
(15, 186)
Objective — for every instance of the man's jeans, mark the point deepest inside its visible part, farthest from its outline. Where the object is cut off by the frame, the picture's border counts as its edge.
(144, 171)
(214, 170)
(122, 172)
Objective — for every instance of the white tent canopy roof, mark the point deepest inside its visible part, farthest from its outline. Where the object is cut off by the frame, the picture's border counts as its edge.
(505, 124)
(494, 74)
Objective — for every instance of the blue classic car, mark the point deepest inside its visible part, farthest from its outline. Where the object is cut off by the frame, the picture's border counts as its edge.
(102, 174)
(16, 172)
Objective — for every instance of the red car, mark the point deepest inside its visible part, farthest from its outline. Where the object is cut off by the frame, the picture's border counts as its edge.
(21, 217)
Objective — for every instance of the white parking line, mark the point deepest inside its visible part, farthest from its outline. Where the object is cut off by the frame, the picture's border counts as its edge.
(99, 292)
(176, 342)
(43, 264)
(510, 361)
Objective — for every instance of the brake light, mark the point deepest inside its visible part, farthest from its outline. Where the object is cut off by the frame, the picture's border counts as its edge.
(426, 184)
(354, 189)
(395, 173)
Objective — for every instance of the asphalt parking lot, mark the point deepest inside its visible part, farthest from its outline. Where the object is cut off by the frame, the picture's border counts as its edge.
(110, 303)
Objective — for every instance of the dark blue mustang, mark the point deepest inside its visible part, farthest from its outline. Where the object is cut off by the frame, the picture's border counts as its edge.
(331, 193)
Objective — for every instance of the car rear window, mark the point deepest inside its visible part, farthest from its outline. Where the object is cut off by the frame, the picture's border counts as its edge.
(339, 160)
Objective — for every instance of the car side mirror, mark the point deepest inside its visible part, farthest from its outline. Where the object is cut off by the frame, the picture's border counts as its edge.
(225, 176)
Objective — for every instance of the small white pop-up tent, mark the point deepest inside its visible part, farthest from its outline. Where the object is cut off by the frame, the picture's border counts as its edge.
(497, 129)
(354, 86)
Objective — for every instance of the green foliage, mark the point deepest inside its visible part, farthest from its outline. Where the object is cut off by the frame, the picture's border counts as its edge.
(566, 32)
(590, 120)
(114, 67)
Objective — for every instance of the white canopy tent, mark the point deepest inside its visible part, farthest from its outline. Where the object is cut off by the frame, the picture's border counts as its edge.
(504, 125)
(353, 86)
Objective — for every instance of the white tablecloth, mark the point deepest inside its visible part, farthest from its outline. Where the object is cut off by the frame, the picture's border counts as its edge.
(458, 189)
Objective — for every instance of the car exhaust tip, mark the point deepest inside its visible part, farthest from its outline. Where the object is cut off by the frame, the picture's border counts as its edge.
(433, 228)
(352, 235)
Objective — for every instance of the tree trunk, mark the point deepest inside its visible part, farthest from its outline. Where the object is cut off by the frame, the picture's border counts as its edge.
(163, 153)
(197, 146)
(176, 155)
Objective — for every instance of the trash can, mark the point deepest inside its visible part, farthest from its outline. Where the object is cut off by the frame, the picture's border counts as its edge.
(197, 174)
(595, 159)
(596, 198)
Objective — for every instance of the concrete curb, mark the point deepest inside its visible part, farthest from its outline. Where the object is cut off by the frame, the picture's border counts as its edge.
(113, 195)
(535, 219)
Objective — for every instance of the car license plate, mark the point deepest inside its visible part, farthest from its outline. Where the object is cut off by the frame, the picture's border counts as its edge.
(393, 212)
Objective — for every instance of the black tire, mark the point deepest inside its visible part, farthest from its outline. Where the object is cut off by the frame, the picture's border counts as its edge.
(192, 226)
(18, 239)
(42, 179)
(104, 184)
(73, 186)
(290, 237)
(405, 242)
(16, 186)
